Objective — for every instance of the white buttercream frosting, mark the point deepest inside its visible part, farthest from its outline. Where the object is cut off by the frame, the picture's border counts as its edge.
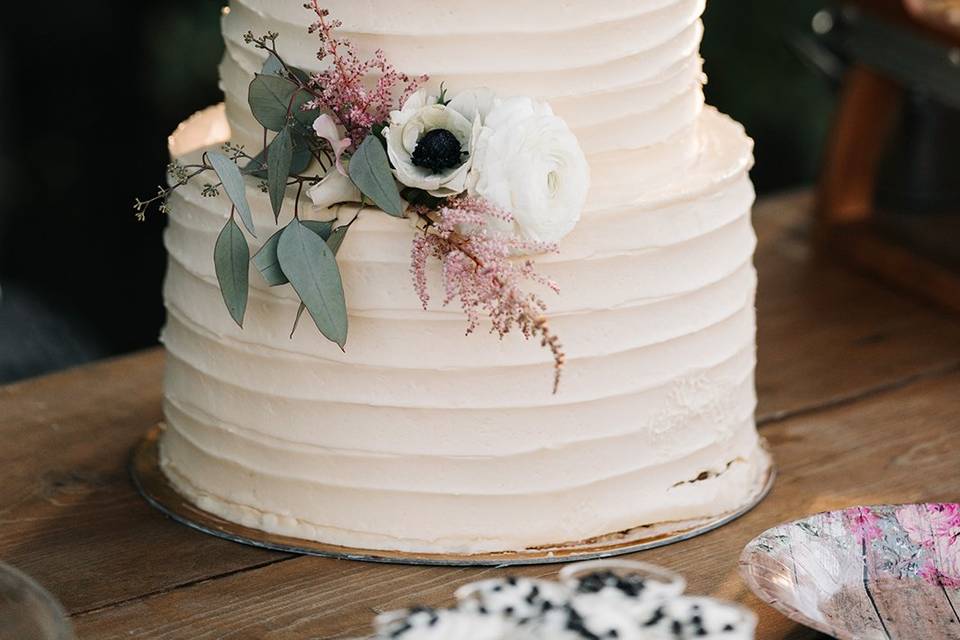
(418, 438)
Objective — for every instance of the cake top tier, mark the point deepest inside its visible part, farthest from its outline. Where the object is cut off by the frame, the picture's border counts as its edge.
(446, 17)
(609, 68)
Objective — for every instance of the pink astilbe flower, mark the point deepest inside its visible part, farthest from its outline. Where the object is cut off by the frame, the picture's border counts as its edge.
(341, 89)
(479, 268)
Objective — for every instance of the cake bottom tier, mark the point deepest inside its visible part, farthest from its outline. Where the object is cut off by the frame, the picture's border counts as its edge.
(464, 525)
(404, 444)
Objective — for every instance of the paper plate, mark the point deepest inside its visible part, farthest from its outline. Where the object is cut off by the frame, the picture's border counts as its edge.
(864, 573)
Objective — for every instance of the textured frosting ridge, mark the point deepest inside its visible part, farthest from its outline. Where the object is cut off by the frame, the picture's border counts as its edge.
(420, 439)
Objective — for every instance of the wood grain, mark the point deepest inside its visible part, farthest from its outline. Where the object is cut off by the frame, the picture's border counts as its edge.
(827, 334)
(864, 453)
(844, 356)
(68, 513)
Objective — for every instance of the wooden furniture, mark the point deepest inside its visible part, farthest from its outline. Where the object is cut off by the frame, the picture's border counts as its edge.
(906, 250)
(859, 400)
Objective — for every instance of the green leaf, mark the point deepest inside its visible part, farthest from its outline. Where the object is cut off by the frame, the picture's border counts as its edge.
(377, 132)
(231, 259)
(267, 262)
(312, 269)
(420, 197)
(322, 229)
(272, 66)
(335, 239)
(304, 119)
(301, 75)
(370, 171)
(296, 321)
(279, 159)
(269, 99)
(232, 179)
(302, 157)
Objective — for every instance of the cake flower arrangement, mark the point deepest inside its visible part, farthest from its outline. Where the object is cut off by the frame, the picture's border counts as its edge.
(487, 181)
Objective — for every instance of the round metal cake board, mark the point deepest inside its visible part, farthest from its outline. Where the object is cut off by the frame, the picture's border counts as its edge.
(159, 492)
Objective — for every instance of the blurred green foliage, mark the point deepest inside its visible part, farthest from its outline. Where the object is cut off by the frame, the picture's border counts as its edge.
(755, 77)
(184, 47)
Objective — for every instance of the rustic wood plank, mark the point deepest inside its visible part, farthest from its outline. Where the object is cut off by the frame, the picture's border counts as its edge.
(68, 513)
(891, 255)
(896, 447)
(827, 334)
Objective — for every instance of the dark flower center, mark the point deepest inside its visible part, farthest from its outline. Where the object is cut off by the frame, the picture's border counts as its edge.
(438, 151)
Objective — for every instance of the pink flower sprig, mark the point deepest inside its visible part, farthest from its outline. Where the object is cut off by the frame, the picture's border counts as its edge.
(341, 89)
(479, 268)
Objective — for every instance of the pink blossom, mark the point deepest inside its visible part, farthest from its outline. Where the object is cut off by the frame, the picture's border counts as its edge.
(913, 519)
(949, 557)
(948, 572)
(936, 528)
(342, 88)
(863, 523)
(326, 129)
(925, 524)
(478, 269)
(945, 519)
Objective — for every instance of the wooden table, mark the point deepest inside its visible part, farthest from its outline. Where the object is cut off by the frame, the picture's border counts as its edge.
(859, 398)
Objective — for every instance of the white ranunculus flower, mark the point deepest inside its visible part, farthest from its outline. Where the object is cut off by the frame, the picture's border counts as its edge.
(334, 189)
(431, 145)
(528, 162)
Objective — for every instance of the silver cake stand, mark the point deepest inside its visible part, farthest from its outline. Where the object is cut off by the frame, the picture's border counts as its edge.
(158, 491)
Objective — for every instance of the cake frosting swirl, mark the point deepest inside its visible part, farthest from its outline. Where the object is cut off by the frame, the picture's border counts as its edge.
(419, 439)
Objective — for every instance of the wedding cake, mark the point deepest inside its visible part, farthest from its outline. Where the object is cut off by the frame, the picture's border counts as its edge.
(414, 437)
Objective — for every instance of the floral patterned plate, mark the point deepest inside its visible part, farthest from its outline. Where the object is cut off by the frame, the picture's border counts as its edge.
(863, 573)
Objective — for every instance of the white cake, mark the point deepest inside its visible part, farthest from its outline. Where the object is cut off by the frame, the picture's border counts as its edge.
(420, 439)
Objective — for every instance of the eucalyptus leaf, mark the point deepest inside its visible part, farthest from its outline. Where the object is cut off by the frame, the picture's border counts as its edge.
(303, 119)
(231, 258)
(257, 167)
(279, 159)
(312, 269)
(229, 174)
(420, 197)
(370, 171)
(272, 65)
(301, 75)
(296, 321)
(319, 227)
(335, 239)
(269, 99)
(267, 262)
(378, 130)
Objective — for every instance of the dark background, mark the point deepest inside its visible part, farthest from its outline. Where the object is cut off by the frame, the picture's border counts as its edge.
(91, 90)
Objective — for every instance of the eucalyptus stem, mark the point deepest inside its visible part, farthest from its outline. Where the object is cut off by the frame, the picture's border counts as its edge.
(296, 202)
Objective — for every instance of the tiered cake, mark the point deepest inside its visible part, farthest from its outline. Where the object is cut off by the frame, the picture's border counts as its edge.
(420, 439)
